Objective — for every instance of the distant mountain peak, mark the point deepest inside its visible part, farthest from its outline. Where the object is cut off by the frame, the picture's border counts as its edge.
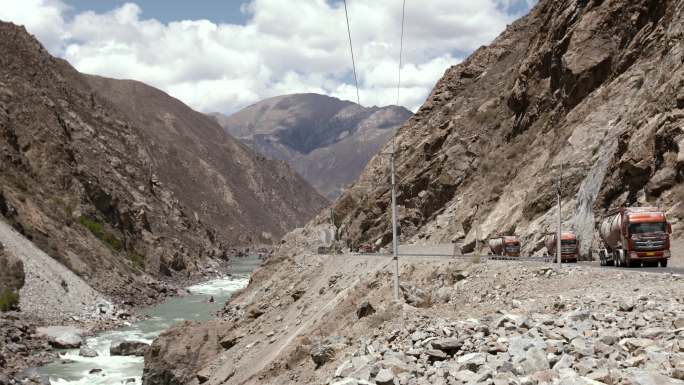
(327, 140)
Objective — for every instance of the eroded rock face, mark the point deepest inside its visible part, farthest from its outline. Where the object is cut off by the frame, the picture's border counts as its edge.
(12, 274)
(128, 348)
(206, 343)
(572, 83)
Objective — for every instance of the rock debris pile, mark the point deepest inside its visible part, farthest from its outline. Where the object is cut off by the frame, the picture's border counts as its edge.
(605, 338)
(18, 341)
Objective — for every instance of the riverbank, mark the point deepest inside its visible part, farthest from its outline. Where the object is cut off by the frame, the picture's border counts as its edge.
(318, 319)
(22, 346)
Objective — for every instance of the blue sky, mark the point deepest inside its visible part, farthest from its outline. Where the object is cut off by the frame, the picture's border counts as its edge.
(224, 55)
(218, 11)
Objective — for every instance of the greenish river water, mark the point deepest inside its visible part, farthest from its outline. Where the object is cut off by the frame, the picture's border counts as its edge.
(73, 369)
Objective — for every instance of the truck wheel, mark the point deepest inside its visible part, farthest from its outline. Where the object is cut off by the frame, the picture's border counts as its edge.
(608, 261)
(663, 263)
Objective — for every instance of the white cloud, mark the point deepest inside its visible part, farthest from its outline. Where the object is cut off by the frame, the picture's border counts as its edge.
(284, 47)
(42, 18)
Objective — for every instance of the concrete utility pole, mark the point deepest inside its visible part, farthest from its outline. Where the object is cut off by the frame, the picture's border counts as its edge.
(560, 218)
(477, 233)
(395, 251)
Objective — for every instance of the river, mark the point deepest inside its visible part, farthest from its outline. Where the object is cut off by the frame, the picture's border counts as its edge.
(73, 369)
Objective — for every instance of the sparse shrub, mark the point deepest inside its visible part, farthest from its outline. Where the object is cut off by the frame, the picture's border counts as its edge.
(138, 261)
(97, 229)
(9, 300)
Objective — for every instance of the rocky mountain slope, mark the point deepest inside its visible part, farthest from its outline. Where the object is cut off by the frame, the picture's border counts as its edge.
(113, 178)
(248, 197)
(595, 86)
(327, 140)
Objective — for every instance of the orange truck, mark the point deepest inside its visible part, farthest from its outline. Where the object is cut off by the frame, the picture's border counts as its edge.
(505, 246)
(635, 235)
(569, 246)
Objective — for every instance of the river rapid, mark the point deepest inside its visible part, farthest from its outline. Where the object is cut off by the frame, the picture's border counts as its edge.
(73, 369)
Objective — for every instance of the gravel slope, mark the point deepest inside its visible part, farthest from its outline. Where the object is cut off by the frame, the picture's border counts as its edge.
(51, 292)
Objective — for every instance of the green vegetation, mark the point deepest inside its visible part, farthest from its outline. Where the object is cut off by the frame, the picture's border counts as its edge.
(97, 229)
(138, 261)
(9, 300)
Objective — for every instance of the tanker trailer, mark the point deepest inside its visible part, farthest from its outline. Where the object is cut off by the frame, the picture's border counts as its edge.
(505, 246)
(632, 236)
(569, 246)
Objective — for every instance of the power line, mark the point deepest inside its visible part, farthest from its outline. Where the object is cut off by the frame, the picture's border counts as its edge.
(351, 49)
(395, 240)
(401, 48)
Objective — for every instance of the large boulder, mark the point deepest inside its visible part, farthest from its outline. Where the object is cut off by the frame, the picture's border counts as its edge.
(322, 353)
(178, 262)
(414, 296)
(66, 341)
(128, 348)
(364, 310)
(87, 352)
(448, 345)
(62, 337)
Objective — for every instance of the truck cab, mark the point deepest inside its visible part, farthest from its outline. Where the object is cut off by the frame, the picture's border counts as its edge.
(647, 237)
(633, 236)
(511, 246)
(569, 246)
(505, 246)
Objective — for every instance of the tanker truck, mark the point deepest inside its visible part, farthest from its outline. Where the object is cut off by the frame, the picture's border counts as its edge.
(569, 246)
(505, 246)
(635, 235)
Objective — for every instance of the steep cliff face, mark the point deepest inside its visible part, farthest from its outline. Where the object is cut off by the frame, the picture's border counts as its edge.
(248, 197)
(594, 86)
(327, 140)
(108, 181)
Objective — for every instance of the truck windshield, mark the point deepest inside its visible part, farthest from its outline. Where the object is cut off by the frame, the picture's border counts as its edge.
(568, 241)
(641, 228)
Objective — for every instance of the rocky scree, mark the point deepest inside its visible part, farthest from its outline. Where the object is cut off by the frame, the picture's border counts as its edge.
(574, 341)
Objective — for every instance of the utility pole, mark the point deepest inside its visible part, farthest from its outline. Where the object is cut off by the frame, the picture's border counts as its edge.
(560, 218)
(477, 233)
(395, 251)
